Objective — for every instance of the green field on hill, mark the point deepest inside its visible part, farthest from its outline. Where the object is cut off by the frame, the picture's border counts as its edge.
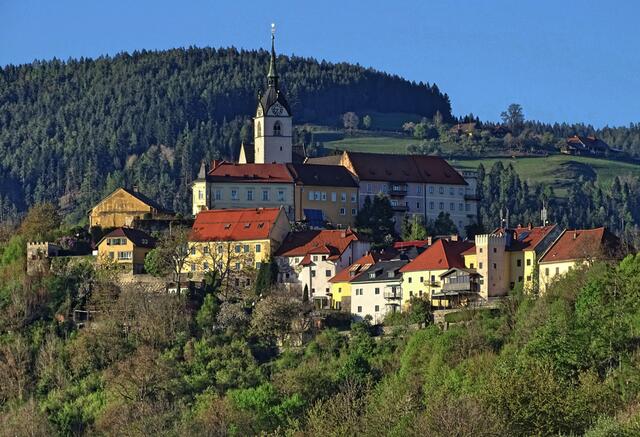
(557, 170)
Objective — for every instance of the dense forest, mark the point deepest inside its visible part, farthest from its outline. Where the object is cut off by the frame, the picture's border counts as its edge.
(565, 363)
(74, 130)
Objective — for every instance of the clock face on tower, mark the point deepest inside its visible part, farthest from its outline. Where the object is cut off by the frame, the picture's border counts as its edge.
(277, 109)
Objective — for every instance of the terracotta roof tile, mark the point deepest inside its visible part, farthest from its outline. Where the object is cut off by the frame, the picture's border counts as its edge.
(262, 173)
(357, 268)
(325, 242)
(441, 255)
(581, 244)
(234, 224)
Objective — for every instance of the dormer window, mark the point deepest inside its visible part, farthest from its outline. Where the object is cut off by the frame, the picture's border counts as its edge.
(277, 129)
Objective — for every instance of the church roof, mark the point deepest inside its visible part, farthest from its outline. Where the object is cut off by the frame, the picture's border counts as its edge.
(273, 94)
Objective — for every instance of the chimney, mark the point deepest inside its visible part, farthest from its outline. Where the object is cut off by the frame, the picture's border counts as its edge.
(575, 234)
(530, 226)
(429, 240)
(453, 238)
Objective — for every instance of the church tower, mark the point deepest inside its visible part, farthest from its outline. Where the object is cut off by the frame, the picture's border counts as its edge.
(272, 125)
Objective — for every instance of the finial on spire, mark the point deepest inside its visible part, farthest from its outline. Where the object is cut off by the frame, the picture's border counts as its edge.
(273, 75)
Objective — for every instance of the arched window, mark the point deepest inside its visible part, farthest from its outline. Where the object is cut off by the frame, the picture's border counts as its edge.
(276, 129)
(259, 130)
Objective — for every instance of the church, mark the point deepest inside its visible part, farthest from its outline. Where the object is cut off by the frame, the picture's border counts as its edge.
(327, 191)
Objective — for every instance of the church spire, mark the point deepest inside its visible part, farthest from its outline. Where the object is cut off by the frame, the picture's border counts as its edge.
(272, 77)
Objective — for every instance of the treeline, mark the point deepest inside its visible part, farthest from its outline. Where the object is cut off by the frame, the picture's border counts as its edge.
(503, 195)
(67, 129)
(565, 363)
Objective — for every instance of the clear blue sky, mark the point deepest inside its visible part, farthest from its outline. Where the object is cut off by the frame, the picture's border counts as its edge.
(563, 60)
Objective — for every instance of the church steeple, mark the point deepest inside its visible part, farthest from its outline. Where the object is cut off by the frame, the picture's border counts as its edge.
(272, 76)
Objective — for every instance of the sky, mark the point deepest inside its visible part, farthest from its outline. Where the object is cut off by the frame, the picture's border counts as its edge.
(562, 60)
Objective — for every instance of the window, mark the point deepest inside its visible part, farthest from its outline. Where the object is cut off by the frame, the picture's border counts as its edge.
(377, 308)
(354, 211)
(421, 279)
(359, 309)
(313, 273)
(310, 195)
(125, 255)
(409, 279)
(218, 194)
(528, 262)
(433, 279)
(451, 191)
(377, 290)
(205, 250)
(430, 190)
(441, 190)
(419, 190)
(238, 266)
(265, 195)
(249, 195)
(193, 250)
(519, 278)
(315, 257)
(480, 265)
(200, 195)
(452, 206)
(495, 266)
(280, 196)
(324, 257)
(343, 211)
(334, 197)
(431, 205)
(495, 250)
(467, 207)
(354, 198)
(460, 191)
(441, 206)
(277, 129)
(234, 194)
(519, 263)
(528, 277)
(259, 130)
(193, 267)
(557, 270)
(116, 241)
(246, 248)
(327, 273)
(205, 266)
(258, 248)
(460, 207)
(368, 188)
(220, 248)
(316, 195)
(481, 250)
(238, 248)
(418, 205)
(324, 196)
(471, 266)
(343, 197)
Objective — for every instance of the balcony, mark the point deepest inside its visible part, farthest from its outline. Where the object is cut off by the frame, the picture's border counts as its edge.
(393, 295)
(398, 189)
(430, 283)
(398, 207)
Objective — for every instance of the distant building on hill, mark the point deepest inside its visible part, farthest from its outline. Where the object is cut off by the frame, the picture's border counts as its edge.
(125, 248)
(122, 207)
(587, 145)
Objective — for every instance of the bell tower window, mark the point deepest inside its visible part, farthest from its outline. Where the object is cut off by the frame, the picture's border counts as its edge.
(259, 130)
(276, 129)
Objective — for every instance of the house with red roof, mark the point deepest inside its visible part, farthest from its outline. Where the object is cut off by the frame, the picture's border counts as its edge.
(309, 259)
(240, 236)
(574, 248)
(421, 277)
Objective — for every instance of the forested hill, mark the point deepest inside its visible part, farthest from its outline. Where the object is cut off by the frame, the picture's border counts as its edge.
(76, 129)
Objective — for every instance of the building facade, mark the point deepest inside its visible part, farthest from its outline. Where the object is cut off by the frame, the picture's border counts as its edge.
(122, 207)
(125, 248)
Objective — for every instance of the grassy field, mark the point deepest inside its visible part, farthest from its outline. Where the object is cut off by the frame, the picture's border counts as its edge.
(557, 170)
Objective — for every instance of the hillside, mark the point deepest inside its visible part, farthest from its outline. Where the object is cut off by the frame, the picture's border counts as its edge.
(73, 130)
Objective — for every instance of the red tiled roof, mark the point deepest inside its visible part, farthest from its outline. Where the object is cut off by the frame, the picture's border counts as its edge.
(404, 168)
(441, 255)
(326, 242)
(234, 224)
(581, 244)
(411, 243)
(262, 173)
(525, 238)
(136, 236)
(357, 268)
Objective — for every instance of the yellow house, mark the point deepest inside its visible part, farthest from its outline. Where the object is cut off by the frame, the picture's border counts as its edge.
(421, 277)
(341, 282)
(329, 190)
(122, 206)
(126, 248)
(235, 239)
(575, 247)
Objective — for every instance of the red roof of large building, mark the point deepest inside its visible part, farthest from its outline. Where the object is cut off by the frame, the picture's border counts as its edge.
(262, 173)
(234, 224)
(325, 242)
(581, 244)
(441, 255)
(404, 168)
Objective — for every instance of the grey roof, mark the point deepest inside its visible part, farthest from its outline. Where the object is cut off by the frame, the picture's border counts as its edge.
(325, 175)
(382, 270)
